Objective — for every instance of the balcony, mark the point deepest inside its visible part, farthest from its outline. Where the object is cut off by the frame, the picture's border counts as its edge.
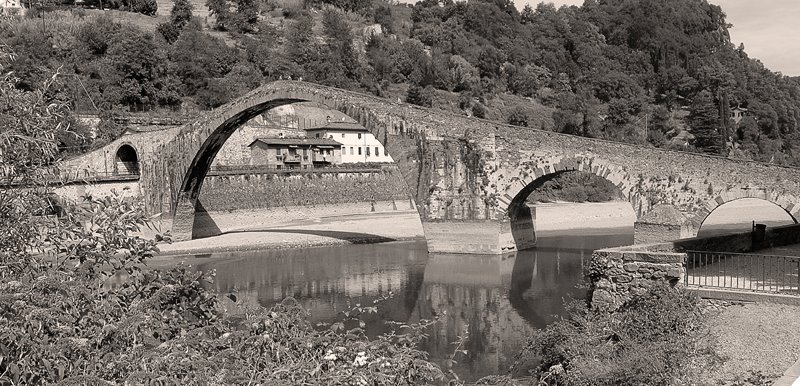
(322, 158)
(289, 158)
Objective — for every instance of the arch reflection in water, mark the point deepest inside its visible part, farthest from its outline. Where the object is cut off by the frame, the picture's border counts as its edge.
(500, 300)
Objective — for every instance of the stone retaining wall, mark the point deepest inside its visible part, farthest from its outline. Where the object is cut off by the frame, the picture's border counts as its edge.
(616, 274)
(281, 190)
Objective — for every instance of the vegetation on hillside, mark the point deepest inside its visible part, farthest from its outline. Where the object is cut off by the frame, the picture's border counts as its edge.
(646, 72)
(575, 187)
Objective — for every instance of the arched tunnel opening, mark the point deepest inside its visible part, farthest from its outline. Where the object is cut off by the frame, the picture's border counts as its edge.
(566, 203)
(126, 161)
(738, 216)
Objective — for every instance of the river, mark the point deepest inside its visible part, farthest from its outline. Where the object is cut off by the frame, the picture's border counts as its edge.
(498, 300)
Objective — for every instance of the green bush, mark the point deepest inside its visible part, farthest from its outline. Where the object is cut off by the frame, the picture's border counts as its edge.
(659, 337)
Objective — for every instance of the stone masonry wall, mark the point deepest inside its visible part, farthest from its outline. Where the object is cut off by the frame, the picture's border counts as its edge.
(616, 274)
(280, 190)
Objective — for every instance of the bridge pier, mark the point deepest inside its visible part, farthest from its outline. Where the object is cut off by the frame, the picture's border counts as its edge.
(663, 223)
(474, 237)
(183, 219)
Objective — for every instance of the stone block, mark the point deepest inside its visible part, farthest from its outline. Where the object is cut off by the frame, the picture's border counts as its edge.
(631, 267)
(675, 272)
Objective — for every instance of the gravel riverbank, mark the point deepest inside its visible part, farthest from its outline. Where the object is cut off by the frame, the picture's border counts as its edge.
(314, 232)
(755, 338)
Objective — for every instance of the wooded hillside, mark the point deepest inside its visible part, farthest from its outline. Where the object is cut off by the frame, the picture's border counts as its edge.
(639, 71)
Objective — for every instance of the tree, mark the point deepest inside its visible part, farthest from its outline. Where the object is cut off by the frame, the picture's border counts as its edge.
(142, 80)
(146, 7)
(246, 15)
(340, 43)
(517, 117)
(180, 16)
(221, 11)
(705, 124)
(419, 96)
(384, 17)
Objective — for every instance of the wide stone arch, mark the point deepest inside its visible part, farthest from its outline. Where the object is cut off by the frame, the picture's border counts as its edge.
(202, 140)
(786, 201)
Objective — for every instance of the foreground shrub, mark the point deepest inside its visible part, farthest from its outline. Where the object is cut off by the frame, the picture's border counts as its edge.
(88, 312)
(657, 338)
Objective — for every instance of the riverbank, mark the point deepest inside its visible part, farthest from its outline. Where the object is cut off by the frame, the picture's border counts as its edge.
(312, 232)
(568, 217)
(293, 230)
(755, 340)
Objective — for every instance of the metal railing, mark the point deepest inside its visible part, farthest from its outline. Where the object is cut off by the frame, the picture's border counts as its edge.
(744, 271)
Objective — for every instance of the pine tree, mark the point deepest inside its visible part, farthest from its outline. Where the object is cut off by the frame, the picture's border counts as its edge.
(180, 16)
(705, 123)
(181, 13)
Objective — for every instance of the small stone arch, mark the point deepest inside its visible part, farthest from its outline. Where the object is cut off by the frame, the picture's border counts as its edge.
(126, 160)
(531, 171)
(788, 202)
(534, 173)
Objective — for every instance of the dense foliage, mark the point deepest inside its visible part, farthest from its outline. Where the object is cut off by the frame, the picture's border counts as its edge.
(575, 187)
(657, 338)
(663, 73)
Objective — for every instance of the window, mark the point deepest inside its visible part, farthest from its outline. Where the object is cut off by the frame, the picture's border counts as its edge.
(359, 150)
(317, 135)
(359, 135)
(377, 153)
(342, 135)
(367, 151)
(351, 150)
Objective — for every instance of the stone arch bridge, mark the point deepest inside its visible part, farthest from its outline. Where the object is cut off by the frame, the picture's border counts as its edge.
(467, 176)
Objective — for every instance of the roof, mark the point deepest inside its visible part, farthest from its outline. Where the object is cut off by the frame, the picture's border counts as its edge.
(297, 141)
(334, 125)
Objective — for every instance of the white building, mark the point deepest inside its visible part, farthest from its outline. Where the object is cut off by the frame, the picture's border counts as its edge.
(358, 144)
(11, 7)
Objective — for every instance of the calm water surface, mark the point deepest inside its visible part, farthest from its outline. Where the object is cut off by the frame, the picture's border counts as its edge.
(499, 299)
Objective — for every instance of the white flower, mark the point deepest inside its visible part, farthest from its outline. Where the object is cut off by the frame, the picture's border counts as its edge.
(330, 356)
(360, 360)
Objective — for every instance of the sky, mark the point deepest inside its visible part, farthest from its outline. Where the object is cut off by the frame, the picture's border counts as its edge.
(768, 29)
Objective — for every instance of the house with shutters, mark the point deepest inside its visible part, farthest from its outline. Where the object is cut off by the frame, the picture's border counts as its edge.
(358, 144)
(295, 153)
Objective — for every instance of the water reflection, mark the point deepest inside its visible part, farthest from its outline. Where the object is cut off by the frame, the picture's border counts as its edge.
(498, 299)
